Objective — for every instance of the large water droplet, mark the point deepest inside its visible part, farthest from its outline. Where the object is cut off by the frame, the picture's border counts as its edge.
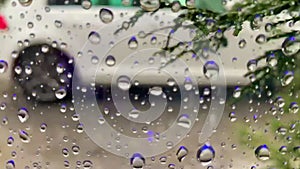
(86, 4)
(287, 78)
(23, 115)
(10, 164)
(3, 66)
(106, 15)
(211, 70)
(184, 121)
(133, 43)
(206, 154)
(262, 152)
(60, 93)
(110, 60)
(150, 5)
(124, 83)
(24, 136)
(291, 46)
(182, 153)
(94, 37)
(137, 161)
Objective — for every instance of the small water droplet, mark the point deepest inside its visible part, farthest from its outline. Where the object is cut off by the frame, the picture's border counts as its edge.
(58, 23)
(25, 2)
(87, 164)
(242, 43)
(291, 46)
(10, 164)
(237, 92)
(94, 37)
(156, 91)
(60, 93)
(261, 39)
(95, 60)
(262, 152)
(106, 15)
(293, 108)
(176, 6)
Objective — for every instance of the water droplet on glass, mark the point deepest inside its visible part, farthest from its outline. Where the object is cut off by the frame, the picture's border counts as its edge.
(242, 43)
(94, 38)
(260, 39)
(110, 60)
(150, 5)
(137, 161)
(124, 83)
(106, 15)
(272, 60)
(206, 154)
(237, 92)
(58, 23)
(10, 164)
(24, 136)
(262, 152)
(176, 6)
(184, 121)
(287, 78)
(23, 115)
(3, 66)
(279, 102)
(291, 46)
(190, 3)
(86, 4)
(43, 127)
(283, 150)
(10, 141)
(87, 164)
(95, 60)
(156, 91)
(293, 108)
(182, 153)
(60, 93)
(134, 114)
(211, 70)
(25, 2)
(133, 43)
(232, 116)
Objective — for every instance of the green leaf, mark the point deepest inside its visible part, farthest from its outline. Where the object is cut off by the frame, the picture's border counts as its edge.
(213, 5)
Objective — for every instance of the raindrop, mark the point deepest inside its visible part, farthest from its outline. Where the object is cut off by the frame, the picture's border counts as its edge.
(124, 83)
(153, 40)
(176, 6)
(106, 15)
(18, 70)
(3, 66)
(61, 93)
(58, 23)
(211, 70)
(94, 37)
(10, 164)
(184, 121)
(293, 108)
(287, 78)
(23, 115)
(150, 5)
(10, 141)
(134, 114)
(75, 150)
(260, 39)
(86, 4)
(156, 91)
(252, 64)
(232, 116)
(87, 164)
(242, 43)
(291, 46)
(206, 154)
(24, 136)
(133, 43)
(43, 127)
(110, 60)
(279, 102)
(95, 60)
(237, 92)
(262, 152)
(25, 2)
(137, 161)
(188, 84)
(182, 153)
(271, 60)
(283, 150)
